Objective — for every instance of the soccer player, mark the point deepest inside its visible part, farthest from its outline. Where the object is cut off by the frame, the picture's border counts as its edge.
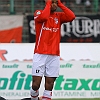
(47, 54)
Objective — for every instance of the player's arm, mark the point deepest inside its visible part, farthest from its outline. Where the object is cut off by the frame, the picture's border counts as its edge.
(67, 15)
(42, 16)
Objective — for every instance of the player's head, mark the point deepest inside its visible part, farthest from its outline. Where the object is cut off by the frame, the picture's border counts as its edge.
(53, 5)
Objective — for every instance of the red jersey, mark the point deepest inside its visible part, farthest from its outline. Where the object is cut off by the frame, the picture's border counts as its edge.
(47, 27)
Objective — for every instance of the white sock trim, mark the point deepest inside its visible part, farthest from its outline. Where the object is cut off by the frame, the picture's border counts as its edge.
(47, 94)
(33, 93)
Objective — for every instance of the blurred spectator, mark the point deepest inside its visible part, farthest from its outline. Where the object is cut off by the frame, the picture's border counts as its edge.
(36, 1)
(88, 5)
(79, 6)
(38, 4)
(72, 5)
(63, 1)
(78, 2)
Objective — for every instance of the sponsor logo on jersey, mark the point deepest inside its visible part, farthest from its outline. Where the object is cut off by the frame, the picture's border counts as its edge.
(50, 29)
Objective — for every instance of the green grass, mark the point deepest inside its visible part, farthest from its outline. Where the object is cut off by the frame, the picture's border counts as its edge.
(78, 99)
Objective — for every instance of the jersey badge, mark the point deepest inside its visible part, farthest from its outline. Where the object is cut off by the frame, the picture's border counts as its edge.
(38, 13)
(56, 20)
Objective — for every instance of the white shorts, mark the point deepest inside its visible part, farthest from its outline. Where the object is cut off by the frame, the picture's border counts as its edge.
(47, 65)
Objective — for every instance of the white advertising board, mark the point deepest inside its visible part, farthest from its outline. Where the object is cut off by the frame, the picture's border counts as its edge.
(77, 79)
(69, 51)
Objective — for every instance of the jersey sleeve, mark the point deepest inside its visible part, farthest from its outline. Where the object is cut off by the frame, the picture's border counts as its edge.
(43, 15)
(67, 15)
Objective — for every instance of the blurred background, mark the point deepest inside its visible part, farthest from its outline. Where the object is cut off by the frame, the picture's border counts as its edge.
(28, 7)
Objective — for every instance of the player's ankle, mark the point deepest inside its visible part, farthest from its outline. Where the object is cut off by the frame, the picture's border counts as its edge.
(34, 94)
(47, 95)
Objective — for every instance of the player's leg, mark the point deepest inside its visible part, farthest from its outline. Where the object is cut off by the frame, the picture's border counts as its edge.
(36, 81)
(51, 73)
(49, 83)
(38, 69)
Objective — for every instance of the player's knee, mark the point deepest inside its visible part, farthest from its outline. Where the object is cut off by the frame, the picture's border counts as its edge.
(35, 86)
(50, 83)
(49, 86)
